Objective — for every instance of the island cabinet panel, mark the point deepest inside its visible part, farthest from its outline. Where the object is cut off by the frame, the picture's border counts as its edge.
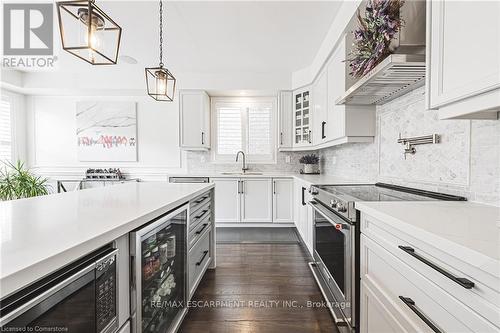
(420, 288)
(199, 258)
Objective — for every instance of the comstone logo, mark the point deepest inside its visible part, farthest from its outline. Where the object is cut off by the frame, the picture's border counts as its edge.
(28, 35)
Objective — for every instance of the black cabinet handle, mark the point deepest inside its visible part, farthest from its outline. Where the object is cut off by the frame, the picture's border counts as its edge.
(467, 284)
(201, 229)
(413, 307)
(281, 138)
(303, 196)
(310, 137)
(202, 258)
(202, 138)
(202, 213)
(323, 123)
(200, 200)
(274, 187)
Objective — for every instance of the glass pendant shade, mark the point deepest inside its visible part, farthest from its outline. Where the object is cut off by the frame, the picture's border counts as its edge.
(88, 33)
(160, 84)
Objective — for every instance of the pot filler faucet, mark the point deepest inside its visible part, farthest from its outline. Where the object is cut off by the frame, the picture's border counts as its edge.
(244, 167)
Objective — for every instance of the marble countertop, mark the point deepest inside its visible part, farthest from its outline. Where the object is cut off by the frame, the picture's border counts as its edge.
(461, 226)
(40, 235)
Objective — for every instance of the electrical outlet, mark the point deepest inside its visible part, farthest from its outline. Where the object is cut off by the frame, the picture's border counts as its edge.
(288, 159)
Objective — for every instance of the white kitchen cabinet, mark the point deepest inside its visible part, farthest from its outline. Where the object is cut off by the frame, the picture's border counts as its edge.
(194, 118)
(256, 200)
(345, 123)
(320, 108)
(285, 104)
(302, 118)
(303, 214)
(283, 200)
(463, 60)
(227, 199)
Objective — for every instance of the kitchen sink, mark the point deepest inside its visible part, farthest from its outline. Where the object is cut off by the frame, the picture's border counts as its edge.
(242, 174)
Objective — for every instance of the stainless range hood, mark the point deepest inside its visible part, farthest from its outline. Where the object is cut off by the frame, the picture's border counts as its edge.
(400, 72)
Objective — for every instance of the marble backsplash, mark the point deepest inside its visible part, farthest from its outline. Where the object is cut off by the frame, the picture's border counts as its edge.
(466, 162)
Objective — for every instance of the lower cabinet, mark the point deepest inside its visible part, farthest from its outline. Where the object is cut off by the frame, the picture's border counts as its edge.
(304, 214)
(199, 258)
(253, 200)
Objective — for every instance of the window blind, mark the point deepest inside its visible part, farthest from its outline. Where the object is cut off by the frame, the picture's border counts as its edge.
(5, 130)
(259, 130)
(229, 130)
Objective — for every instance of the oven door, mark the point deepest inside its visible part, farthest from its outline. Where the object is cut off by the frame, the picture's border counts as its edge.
(335, 257)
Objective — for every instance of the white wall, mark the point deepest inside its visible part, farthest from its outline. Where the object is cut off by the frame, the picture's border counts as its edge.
(52, 137)
(466, 162)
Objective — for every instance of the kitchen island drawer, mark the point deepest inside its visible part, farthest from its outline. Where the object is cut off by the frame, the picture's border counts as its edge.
(200, 215)
(423, 302)
(459, 276)
(196, 233)
(200, 201)
(199, 258)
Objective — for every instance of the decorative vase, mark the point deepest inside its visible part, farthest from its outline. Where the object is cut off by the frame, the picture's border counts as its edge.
(311, 168)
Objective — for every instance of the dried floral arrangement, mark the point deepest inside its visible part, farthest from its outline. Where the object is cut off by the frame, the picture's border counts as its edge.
(309, 159)
(373, 36)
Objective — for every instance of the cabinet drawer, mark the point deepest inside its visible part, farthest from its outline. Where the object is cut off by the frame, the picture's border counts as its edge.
(424, 303)
(439, 267)
(199, 258)
(196, 233)
(198, 202)
(198, 216)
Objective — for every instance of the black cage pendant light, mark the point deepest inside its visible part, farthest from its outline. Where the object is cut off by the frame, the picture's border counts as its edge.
(159, 81)
(88, 32)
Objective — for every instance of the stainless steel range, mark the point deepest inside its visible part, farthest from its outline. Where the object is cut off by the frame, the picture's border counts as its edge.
(336, 241)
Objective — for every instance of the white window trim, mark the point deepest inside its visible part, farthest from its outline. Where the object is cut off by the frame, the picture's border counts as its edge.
(231, 159)
(13, 99)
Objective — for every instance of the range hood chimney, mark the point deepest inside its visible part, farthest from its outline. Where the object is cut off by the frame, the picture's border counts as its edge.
(400, 72)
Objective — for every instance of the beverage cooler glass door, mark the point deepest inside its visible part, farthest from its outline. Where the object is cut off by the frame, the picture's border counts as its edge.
(159, 253)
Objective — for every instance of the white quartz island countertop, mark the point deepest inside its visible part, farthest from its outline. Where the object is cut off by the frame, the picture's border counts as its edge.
(469, 230)
(40, 235)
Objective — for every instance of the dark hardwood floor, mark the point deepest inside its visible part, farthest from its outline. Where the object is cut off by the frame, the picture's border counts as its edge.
(258, 288)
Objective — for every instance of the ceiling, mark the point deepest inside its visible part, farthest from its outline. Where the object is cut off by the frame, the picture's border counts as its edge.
(219, 37)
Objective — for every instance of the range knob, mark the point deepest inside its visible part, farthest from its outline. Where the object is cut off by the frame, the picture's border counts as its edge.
(341, 208)
(313, 191)
(333, 203)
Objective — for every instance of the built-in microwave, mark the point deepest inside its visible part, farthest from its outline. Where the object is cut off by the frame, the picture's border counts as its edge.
(79, 298)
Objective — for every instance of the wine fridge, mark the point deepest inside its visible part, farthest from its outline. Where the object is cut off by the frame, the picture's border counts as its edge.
(158, 265)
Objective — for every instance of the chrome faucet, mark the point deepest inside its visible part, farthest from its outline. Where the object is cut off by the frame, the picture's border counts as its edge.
(244, 167)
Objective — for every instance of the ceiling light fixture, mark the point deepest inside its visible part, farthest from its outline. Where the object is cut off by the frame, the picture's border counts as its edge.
(88, 32)
(160, 82)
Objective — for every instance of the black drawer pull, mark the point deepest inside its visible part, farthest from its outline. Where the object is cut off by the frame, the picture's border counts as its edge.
(200, 200)
(201, 229)
(467, 284)
(202, 213)
(303, 196)
(202, 258)
(413, 307)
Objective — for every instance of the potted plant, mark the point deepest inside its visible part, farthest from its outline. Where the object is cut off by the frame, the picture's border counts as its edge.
(18, 182)
(311, 163)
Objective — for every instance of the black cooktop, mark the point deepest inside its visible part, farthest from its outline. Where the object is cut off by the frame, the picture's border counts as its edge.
(385, 192)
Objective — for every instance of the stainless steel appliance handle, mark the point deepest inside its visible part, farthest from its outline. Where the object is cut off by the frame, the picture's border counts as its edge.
(338, 321)
(317, 207)
(34, 301)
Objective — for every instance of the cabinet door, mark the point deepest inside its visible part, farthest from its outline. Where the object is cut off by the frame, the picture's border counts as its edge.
(464, 58)
(282, 200)
(320, 109)
(194, 119)
(286, 119)
(302, 118)
(336, 87)
(227, 200)
(256, 200)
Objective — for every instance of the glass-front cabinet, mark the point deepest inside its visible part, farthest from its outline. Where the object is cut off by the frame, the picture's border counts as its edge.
(159, 283)
(302, 117)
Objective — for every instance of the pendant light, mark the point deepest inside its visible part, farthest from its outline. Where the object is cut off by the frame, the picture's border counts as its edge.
(160, 82)
(88, 32)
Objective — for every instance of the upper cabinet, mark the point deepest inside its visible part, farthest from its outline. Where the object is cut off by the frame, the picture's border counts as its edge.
(302, 118)
(194, 118)
(320, 109)
(285, 105)
(463, 63)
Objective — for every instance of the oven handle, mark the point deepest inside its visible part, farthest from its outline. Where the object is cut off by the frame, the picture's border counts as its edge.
(46, 294)
(317, 207)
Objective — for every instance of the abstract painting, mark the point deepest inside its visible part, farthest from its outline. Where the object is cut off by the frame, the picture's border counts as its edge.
(106, 131)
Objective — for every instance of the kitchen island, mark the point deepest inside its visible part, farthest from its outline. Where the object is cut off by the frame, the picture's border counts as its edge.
(42, 235)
